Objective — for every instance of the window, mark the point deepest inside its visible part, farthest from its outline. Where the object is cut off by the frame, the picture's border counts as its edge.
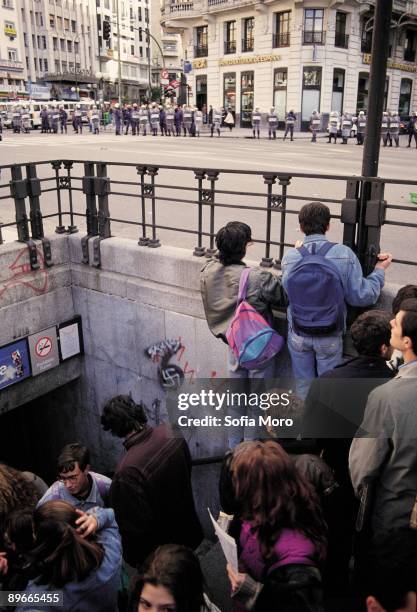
(64, 66)
(40, 64)
(69, 46)
(62, 44)
(131, 16)
(140, 36)
(140, 13)
(38, 40)
(45, 65)
(99, 22)
(247, 88)
(57, 66)
(281, 36)
(59, 23)
(51, 21)
(410, 46)
(12, 55)
(66, 24)
(107, 4)
(147, 15)
(201, 38)
(44, 44)
(229, 90)
(230, 37)
(405, 97)
(76, 47)
(33, 41)
(313, 27)
(280, 92)
(73, 28)
(27, 66)
(366, 36)
(311, 93)
(248, 39)
(71, 66)
(77, 67)
(35, 62)
(132, 49)
(55, 44)
(340, 38)
(25, 39)
(363, 90)
(338, 89)
(40, 19)
(7, 4)
(140, 51)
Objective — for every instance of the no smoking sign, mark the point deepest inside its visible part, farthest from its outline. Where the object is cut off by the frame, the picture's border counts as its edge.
(43, 346)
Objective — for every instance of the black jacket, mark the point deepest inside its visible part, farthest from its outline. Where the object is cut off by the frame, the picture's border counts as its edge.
(152, 496)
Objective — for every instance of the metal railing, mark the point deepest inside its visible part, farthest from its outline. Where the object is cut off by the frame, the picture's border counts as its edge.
(201, 51)
(248, 44)
(341, 40)
(189, 205)
(229, 46)
(313, 37)
(281, 40)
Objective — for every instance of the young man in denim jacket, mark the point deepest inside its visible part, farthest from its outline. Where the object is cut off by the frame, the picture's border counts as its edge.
(311, 356)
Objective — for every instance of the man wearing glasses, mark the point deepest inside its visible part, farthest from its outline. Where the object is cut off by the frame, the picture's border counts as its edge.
(85, 490)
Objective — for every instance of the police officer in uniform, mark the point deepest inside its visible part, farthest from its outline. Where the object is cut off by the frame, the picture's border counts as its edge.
(162, 121)
(187, 118)
(134, 119)
(217, 121)
(394, 128)
(272, 124)
(95, 120)
(315, 121)
(256, 122)
(169, 119)
(55, 119)
(26, 124)
(63, 118)
(198, 121)
(143, 119)
(361, 127)
(385, 129)
(44, 120)
(333, 126)
(346, 127)
(154, 119)
(118, 118)
(412, 129)
(78, 122)
(290, 120)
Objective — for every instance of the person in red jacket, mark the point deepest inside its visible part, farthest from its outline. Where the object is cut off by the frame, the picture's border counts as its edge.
(151, 491)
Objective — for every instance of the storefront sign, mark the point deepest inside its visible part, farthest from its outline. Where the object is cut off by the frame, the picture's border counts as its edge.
(199, 63)
(43, 348)
(367, 57)
(255, 59)
(14, 363)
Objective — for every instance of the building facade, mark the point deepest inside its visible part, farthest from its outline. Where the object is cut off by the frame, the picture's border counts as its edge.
(304, 56)
(13, 73)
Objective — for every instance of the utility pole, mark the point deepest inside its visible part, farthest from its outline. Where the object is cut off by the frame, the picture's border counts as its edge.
(119, 57)
(372, 209)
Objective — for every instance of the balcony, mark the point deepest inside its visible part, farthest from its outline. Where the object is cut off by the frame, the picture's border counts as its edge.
(180, 7)
(248, 45)
(341, 40)
(409, 55)
(201, 51)
(229, 47)
(281, 40)
(11, 66)
(314, 38)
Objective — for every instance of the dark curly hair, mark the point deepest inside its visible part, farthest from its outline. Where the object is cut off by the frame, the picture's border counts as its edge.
(122, 415)
(16, 492)
(370, 331)
(231, 242)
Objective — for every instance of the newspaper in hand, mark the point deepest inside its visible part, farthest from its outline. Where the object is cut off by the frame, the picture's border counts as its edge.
(227, 543)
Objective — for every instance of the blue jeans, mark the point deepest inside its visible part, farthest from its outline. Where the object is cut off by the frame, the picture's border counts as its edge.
(239, 433)
(312, 356)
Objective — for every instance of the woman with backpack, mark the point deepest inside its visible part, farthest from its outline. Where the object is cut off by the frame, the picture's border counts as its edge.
(283, 535)
(223, 280)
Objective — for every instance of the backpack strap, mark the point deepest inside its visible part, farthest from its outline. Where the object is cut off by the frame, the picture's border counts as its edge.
(243, 285)
(325, 248)
(303, 251)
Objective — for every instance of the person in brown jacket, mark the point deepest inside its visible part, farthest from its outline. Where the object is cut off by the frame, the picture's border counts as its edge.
(151, 491)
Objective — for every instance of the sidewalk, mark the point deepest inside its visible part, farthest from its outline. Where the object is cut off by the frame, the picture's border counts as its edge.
(238, 132)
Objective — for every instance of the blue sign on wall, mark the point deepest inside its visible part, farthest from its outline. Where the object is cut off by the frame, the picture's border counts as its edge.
(187, 67)
(14, 363)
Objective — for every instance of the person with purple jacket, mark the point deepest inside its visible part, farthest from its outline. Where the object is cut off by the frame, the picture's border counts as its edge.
(282, 539)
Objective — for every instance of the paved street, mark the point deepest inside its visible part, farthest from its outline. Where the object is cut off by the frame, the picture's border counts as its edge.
(231, 151)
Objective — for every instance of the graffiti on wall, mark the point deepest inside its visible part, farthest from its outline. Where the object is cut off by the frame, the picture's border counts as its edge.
(172, 375)
(20, 273)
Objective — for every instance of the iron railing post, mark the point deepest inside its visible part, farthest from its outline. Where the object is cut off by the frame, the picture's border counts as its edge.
(154, 241)
(350, 212)
(280, 201)
(56, 165)
(212, 176)
(72, 228)
(269, 180)
(18, 189)
(141, 170)
(199, 249)
(91, 209)
(34, 191)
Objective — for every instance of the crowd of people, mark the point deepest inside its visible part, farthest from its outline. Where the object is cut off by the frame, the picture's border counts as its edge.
(186, 120)
(324, 520)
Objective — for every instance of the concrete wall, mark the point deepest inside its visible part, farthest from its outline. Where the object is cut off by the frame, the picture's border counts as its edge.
(138, 297)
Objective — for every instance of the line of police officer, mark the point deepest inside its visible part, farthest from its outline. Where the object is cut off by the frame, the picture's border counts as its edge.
(154, 118)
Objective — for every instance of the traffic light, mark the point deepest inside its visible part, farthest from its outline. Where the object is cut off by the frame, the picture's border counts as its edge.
(106, 30)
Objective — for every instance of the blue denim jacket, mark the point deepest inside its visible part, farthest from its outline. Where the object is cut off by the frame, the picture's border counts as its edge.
(358, 290)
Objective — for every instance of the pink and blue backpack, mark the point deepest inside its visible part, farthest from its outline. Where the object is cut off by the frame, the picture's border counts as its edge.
(249, 335)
